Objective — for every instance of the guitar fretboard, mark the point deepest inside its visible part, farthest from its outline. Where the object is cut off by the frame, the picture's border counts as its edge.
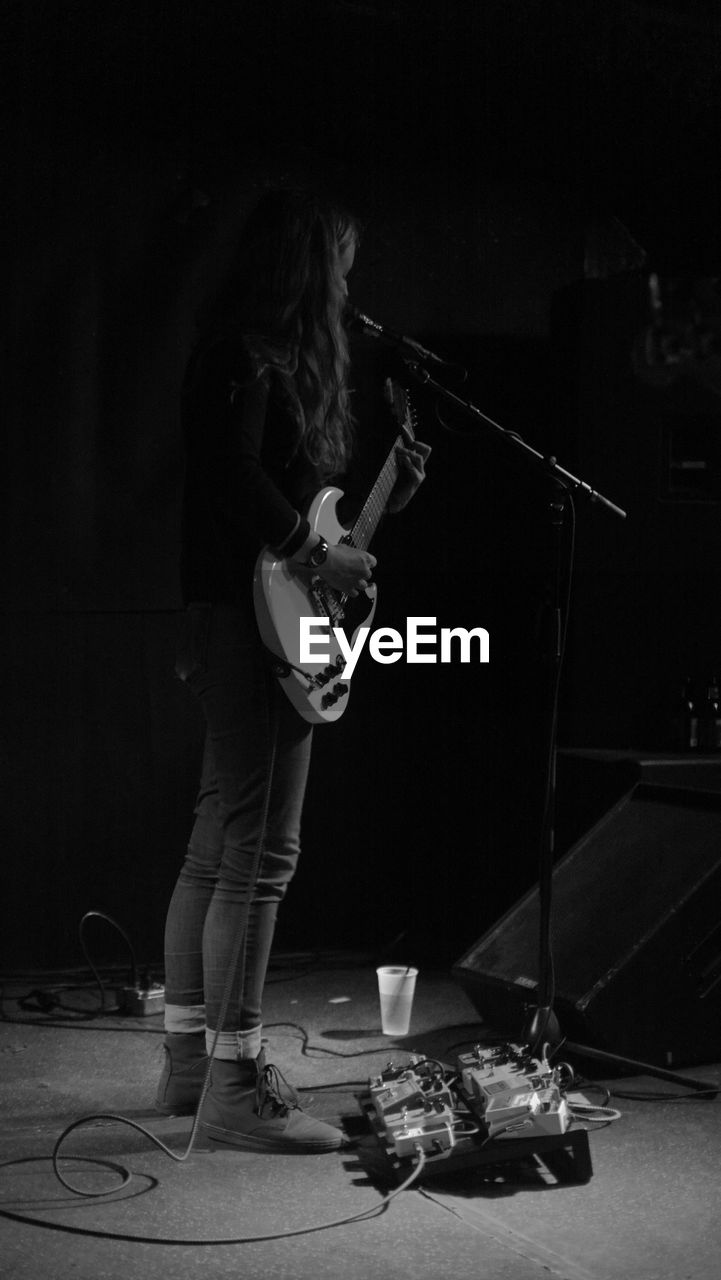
(375, 504)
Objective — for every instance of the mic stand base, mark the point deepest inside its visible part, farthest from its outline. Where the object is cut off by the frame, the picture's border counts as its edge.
(541, 1026)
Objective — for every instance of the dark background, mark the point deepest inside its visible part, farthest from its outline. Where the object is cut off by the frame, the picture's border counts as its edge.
(520, 169)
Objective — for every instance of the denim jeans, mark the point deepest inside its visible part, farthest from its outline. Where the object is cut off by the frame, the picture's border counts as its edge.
(245, 841)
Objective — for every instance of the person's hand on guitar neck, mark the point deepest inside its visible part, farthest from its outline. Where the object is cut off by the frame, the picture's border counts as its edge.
(412, 458)
(345, 568)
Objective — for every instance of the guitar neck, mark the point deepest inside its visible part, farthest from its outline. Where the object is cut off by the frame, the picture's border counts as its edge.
(377, 500)
(375, 504)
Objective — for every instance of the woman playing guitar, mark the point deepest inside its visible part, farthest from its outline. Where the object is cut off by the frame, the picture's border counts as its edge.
(267, 422)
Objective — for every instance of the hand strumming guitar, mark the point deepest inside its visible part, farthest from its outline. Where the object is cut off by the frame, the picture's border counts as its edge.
(346, 569)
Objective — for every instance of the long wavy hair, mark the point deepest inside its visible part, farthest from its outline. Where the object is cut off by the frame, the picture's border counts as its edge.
(283, 297)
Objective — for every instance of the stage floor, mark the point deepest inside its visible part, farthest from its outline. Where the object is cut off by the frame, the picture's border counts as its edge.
(650, 1209)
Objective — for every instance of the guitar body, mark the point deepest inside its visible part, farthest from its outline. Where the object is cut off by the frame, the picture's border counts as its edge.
(283, 595)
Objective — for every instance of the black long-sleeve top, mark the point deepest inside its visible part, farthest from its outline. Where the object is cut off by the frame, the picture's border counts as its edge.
(246, 482)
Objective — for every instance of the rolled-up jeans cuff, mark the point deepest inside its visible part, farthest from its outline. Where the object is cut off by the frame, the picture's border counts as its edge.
(183, 1019)
(232, 1045)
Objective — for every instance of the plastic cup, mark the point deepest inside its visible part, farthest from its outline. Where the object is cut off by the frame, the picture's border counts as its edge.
(396, 985)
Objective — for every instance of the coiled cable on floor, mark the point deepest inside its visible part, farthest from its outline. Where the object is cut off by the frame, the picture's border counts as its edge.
(363, 1214)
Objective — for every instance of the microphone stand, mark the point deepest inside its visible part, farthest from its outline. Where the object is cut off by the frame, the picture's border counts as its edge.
(541, 1025)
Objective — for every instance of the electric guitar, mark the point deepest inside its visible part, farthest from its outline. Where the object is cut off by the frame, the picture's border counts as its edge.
(284, 594)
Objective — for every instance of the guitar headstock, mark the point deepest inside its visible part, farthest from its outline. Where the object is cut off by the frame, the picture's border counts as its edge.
(400, 405)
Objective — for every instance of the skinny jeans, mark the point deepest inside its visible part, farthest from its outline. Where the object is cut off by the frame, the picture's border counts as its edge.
(245, 841)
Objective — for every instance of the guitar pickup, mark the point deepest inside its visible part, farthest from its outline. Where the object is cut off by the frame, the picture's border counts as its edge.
(322, 677)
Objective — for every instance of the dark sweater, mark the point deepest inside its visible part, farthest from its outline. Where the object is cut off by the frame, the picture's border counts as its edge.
(246, 481)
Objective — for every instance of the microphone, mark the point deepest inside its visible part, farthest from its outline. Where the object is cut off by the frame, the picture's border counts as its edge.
(406, 346)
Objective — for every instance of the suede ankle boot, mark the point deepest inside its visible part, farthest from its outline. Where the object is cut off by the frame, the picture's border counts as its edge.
(183, 1073)
(244, 1108)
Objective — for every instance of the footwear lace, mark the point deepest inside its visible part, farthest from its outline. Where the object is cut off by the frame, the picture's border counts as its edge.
(269, 1092)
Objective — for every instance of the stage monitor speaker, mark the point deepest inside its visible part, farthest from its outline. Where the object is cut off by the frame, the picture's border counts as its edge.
(636, 935)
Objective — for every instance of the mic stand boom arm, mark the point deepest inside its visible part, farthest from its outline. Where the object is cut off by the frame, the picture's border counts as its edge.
(549, 464)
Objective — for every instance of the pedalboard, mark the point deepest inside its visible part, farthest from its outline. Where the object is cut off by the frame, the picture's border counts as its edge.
(496, 1102)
